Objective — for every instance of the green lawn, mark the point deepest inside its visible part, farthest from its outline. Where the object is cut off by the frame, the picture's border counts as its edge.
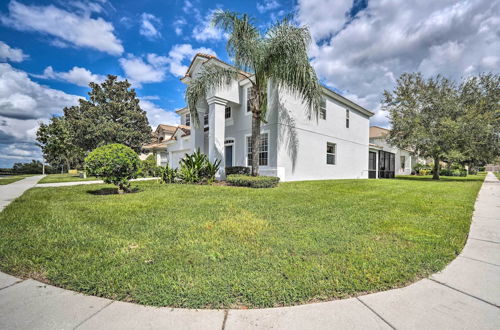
(218, 246)
(13, 178)
(66, 177)
(497, 175)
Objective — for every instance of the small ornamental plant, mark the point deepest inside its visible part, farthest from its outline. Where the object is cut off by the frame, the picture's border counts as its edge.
(115, 164)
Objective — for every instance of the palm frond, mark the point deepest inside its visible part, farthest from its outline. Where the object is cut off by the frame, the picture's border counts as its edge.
(212, 77)
(287, 63)
(243, 44)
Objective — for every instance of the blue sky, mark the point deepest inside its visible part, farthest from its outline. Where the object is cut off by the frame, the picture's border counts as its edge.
(50, 50)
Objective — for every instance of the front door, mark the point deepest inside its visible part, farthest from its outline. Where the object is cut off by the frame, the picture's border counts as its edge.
(229, 155)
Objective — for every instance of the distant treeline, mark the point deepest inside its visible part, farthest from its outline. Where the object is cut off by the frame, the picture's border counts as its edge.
(33, 167)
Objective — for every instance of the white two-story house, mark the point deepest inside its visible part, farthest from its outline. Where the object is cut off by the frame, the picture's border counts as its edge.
(293, 146)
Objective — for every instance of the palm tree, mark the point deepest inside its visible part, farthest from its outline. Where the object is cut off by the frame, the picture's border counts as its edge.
(279, 55)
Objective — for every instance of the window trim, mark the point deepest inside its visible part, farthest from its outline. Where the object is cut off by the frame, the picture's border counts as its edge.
(329, 153)
(187, 118)
(230, 113)
(268, 149)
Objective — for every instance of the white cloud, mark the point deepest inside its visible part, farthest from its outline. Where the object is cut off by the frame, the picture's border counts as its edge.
(149, 26)
(140, 71)
(8, 53)
(153, 67)
(267, 5)
(67, 27)
(179, 25)
(21, 98)
(365, 55)
(204, 30)
(157, 115)
(77, 75)
(188, 6)
(23, 104)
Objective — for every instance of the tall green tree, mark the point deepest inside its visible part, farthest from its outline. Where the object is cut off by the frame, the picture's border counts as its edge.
(278, 55)
(56, 141)
(479, 97)
(111, 115)
(425, 116)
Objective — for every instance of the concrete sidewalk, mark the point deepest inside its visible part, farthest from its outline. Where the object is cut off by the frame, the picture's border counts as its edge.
(11, 191)
(465, 295)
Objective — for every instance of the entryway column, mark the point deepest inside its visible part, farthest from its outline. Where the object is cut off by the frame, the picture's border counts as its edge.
(216, 132)
(198, 132)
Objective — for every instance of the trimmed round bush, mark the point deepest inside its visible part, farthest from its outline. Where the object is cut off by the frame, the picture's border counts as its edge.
(115, 164)
(252, 181)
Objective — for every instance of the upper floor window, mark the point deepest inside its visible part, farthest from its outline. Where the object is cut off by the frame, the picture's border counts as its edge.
(205, 119)
(322, 109)
(250, 97)
(347, 118)
(263, 150)
(188, 119)
(331, 149)
(227, 112)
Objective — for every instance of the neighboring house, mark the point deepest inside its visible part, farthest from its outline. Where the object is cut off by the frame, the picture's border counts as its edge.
(385, 160)
(157, 146)
(293, 147)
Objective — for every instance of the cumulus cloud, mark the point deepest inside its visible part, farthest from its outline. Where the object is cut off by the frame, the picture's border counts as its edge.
(10, 54)
(23, 104)
(157, 115)
(77, 75)
(153, 68)
(179, 25)
(267, 5)
(78, 29)
(149, 26)
(363, 53)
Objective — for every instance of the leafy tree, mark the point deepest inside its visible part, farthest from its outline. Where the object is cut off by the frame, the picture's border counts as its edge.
(479, 142)
(115, 164)
(56, 141)
(425, 116)
(278, 55)
(111, 115)
(34, 167)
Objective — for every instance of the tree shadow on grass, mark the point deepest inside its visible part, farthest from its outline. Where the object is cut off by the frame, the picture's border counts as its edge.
(111, 191)
(441, 179)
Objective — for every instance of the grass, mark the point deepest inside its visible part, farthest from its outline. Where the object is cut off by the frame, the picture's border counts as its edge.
(219, 246)
(497, 175)
(66, 177)
(13, 178)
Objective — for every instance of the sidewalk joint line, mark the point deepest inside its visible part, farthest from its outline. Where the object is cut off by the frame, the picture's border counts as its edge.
(463, 292)
(377, 314)
(484, 262)
(484, 240)
(8, 286)
(93, 314)
(226, 312)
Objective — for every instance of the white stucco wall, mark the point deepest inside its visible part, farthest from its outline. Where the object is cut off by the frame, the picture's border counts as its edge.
(410, 160)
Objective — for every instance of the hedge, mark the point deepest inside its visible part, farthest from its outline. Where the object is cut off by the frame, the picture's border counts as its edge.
(238, 170)
(252, 181)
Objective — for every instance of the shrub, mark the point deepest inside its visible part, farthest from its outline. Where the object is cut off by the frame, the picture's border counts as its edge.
(168, 174)
(196, 168)
(252, 181)
(115, 164)
(456, 172)
(149, 167)
(238, 170)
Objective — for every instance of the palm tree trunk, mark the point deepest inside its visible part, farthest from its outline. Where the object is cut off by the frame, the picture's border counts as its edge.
(255, 142)
(435, 172)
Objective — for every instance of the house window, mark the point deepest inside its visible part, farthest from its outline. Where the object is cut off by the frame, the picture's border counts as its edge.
(347, 118)
(322, 109)
(331, 149)
(250, 96)
(403, 161)
(227, 112)
(188, 119)
(205, 119)
(263, 152)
